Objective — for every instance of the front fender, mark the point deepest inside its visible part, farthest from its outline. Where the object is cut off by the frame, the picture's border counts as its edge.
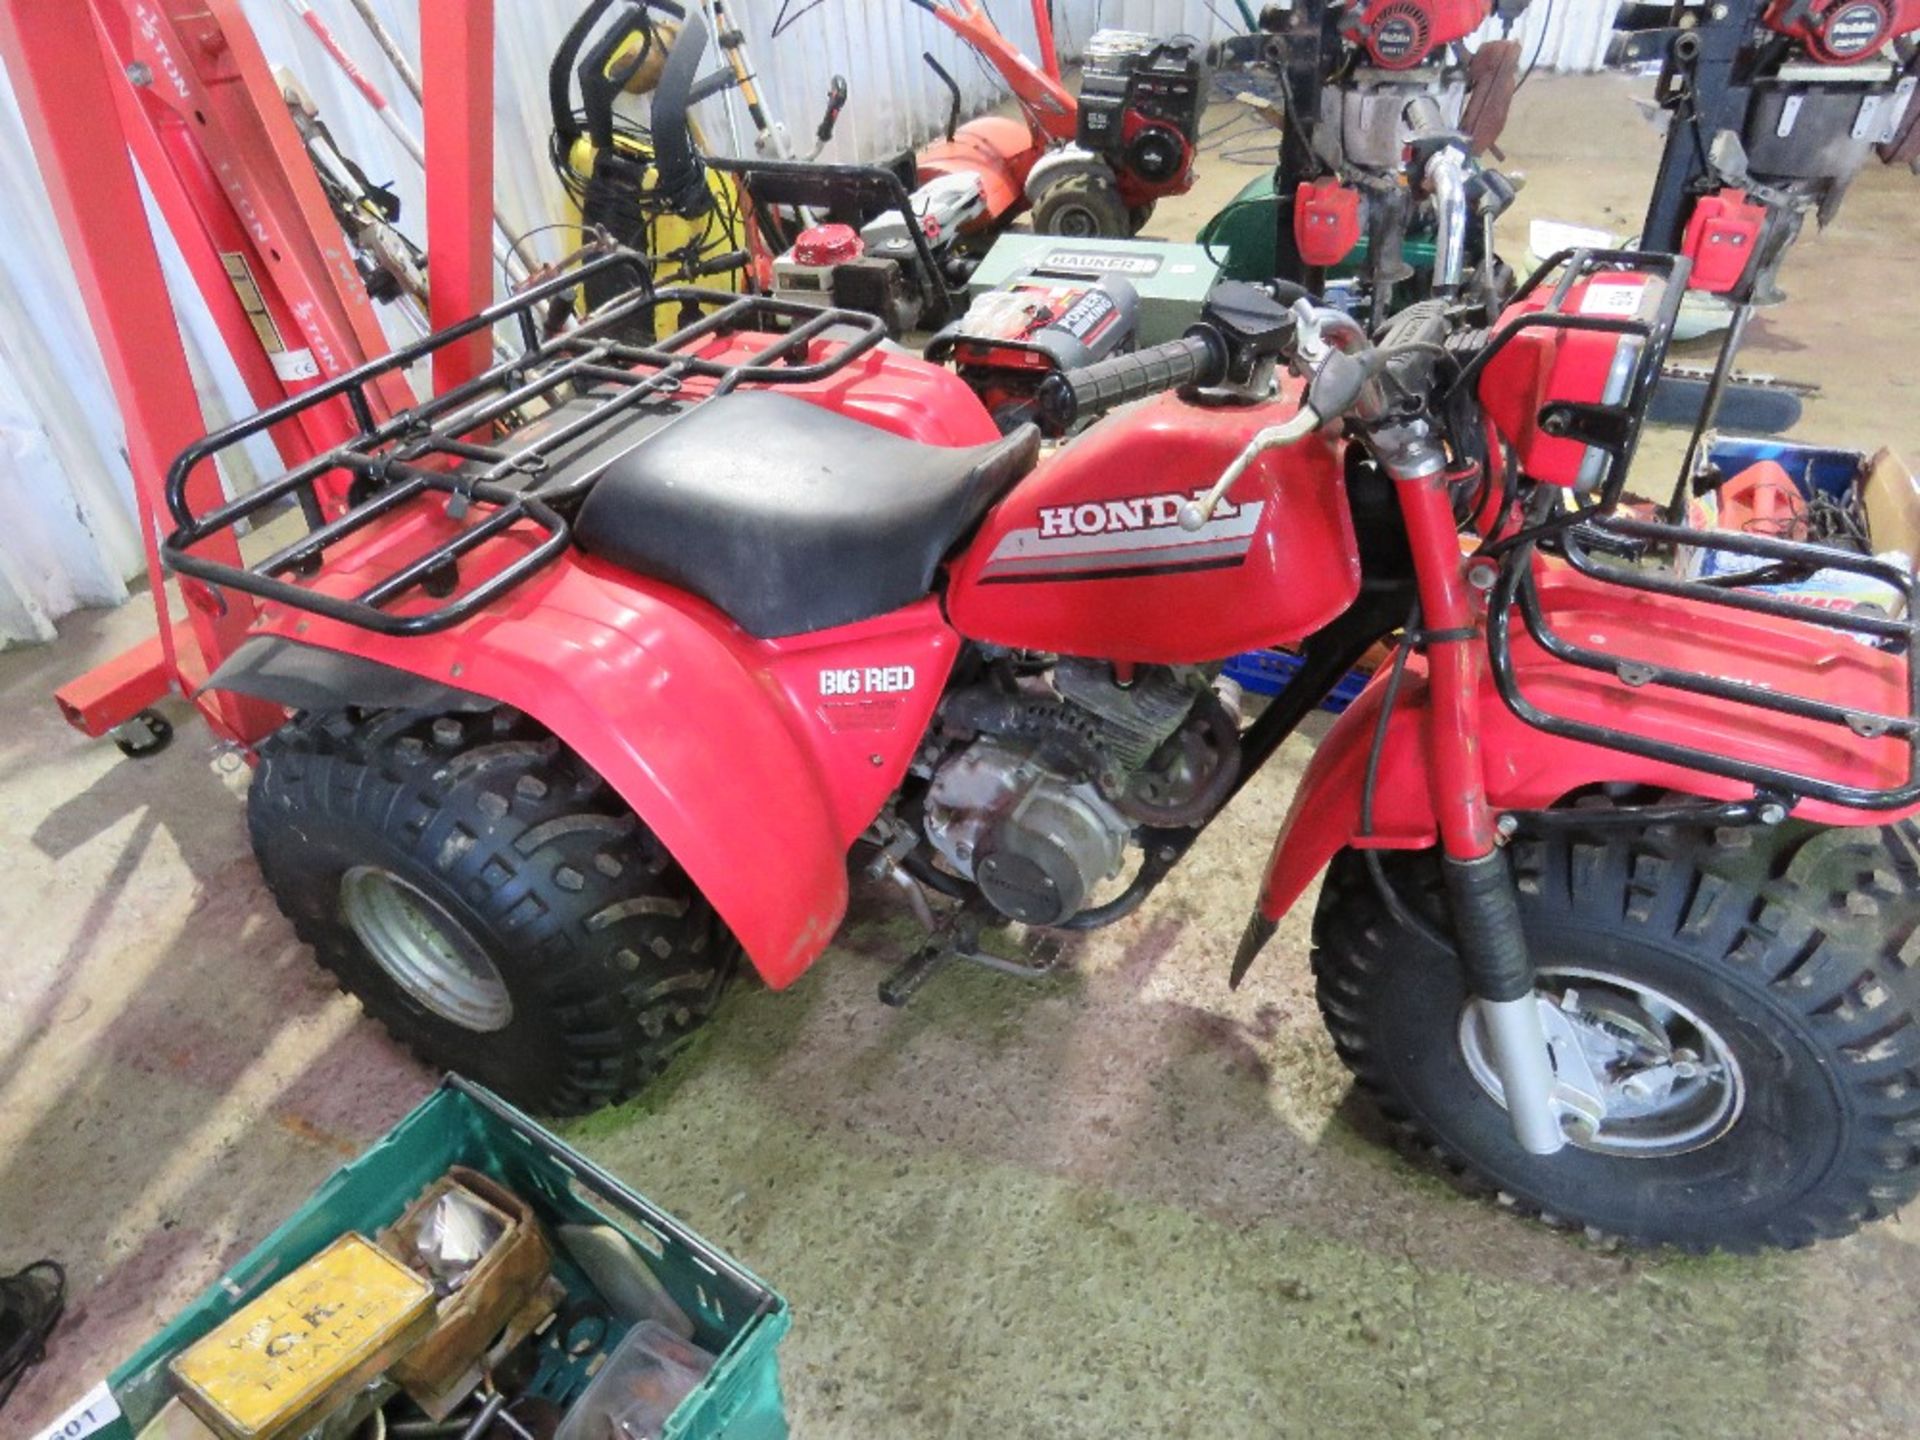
(663, 699)
(1528, 769)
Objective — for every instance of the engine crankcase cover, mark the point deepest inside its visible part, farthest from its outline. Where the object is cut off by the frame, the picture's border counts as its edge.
(1041, 862)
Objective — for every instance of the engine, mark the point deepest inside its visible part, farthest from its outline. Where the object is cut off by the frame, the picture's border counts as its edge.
(1839, 32)
(1043, 786)
(1756, 148)
(1400, 34)
(1140, 105)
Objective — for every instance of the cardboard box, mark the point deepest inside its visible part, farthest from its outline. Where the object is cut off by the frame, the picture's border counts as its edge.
(443, 1367)
(1891, 498)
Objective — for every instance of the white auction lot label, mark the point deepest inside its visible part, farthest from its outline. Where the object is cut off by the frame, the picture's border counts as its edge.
(93, 1414)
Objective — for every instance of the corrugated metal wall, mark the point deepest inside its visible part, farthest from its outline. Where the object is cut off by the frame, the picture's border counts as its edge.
(67, 532)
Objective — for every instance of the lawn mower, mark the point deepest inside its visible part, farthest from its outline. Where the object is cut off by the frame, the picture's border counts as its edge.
(588, 710)
(856, 237)
(1379, 189)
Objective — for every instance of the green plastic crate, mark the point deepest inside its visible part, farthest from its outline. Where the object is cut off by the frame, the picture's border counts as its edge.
(736, 1316)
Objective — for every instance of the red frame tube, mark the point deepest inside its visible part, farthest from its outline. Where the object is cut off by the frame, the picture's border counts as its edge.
(1046, 102)
(1043, 28)
(66, 98)
(1455, 774)
(456, 76)
(233, 180)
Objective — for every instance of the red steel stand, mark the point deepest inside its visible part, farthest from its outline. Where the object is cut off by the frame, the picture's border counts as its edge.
(456, 86)
(180, 88)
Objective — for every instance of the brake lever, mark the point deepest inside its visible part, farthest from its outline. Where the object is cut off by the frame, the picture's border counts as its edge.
(1304, 422)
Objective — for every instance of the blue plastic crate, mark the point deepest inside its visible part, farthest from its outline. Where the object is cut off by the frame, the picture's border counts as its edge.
(1832, 472)
(1268, 672)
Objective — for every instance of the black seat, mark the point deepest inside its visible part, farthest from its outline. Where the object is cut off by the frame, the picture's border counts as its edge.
(791, 518)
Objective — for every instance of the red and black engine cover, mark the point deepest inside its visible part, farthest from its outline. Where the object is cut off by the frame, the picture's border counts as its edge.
(1140, 108)
(1400, 34)
(1839, 32)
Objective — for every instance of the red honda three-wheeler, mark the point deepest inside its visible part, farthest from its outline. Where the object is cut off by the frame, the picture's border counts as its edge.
(604, 663)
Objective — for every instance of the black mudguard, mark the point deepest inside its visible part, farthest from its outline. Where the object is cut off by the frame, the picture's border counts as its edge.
(307, 677)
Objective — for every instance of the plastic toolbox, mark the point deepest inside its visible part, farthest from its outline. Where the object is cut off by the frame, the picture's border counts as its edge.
(736, 1316)
(1171, 280)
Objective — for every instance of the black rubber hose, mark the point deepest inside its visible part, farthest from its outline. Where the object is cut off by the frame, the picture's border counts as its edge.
(953, 90)
(1389, 697)
(560, 71)
(682, 180)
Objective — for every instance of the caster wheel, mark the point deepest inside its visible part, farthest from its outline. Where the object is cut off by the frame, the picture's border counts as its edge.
(144, 736)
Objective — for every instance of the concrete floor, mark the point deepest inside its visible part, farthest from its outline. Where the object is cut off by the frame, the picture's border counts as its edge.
(1125, 1202)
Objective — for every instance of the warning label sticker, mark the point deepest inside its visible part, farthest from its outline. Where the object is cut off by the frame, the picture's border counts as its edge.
(1622, 302)
(254, 303)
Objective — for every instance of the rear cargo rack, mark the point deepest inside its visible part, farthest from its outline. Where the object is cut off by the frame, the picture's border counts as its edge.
(449, 446)
(1517, 588)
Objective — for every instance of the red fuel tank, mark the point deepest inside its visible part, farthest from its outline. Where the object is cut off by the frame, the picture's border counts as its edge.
(1087, 555)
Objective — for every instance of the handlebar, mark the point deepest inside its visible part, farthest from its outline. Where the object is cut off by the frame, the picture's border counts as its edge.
(1198, 357)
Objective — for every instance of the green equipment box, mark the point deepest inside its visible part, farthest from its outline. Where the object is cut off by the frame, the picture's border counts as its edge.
(735, 1316)
(1171, 279)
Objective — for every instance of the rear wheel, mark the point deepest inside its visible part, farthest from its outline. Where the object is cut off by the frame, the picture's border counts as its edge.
(1735, 1020)
(488, 899)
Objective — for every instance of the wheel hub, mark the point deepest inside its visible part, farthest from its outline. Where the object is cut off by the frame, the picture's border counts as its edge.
(1635, 1072)
(1077, 223)
(426, 952)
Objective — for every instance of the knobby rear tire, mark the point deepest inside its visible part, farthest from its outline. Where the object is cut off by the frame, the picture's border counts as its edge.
(610, 958)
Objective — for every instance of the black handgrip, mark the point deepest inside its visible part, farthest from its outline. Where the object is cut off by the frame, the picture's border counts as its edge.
(722, 264)
(836, 102)
(1198, 357)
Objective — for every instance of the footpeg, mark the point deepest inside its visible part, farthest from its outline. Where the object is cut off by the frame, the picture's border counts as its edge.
(906, 979)
(958, 938)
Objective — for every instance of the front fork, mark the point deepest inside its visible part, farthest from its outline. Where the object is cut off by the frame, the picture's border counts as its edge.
(1480, 890)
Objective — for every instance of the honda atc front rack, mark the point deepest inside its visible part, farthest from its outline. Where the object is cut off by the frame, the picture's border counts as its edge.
(1887, 640)
(475, 450)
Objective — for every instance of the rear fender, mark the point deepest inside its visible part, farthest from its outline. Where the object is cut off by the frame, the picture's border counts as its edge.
(731, 750)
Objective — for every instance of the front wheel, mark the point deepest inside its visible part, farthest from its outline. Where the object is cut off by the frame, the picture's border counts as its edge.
(1081, 205)
(487, 898)
(1732, 1027)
